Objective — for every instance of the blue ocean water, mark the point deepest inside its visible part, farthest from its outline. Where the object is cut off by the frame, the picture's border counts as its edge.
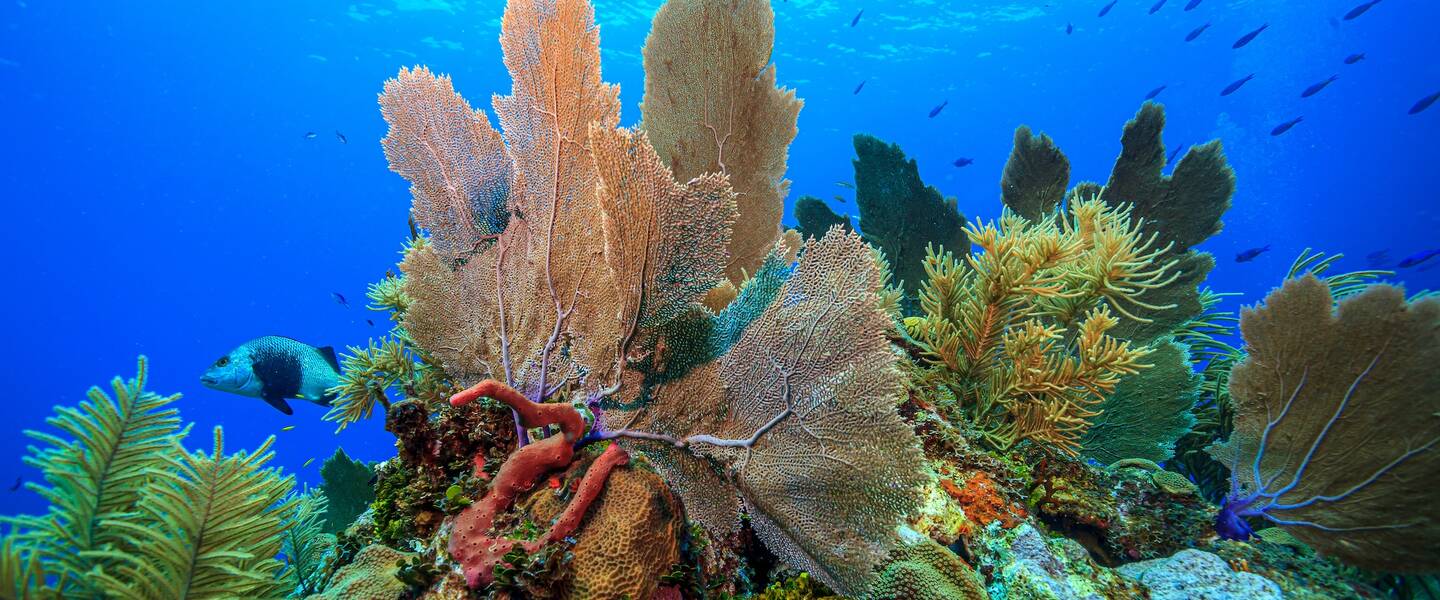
(162, 198)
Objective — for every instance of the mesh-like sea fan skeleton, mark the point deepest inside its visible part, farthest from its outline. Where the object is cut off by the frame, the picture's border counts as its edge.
(598, 269)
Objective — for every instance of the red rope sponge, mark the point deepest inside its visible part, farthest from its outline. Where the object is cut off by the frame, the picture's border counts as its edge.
(471, 541)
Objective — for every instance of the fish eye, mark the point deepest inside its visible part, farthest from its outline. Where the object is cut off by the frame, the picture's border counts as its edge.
(224, 360)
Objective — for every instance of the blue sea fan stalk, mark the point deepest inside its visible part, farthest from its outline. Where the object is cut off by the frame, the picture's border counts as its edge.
(1337, 422)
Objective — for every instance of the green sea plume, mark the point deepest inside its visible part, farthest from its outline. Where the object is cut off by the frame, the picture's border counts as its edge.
(95, 476)
(209, 525)
(133, 515)
(306, 546)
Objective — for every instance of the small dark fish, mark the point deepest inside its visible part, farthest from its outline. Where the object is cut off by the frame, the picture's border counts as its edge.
(936, 111)
(1155, 92)
(340, 299)
(1195, 33)
(414, 229)
(1378, 259)
(1191, 5)
(369, 322)
(1284, 127)
(341, 137)
(839, 198)
(1424, 103)
(1236, 85)
(1250, 254)
(1315, 89)
(1157, 6)
(1354, 58)
(856, 21)
(1174, 153)
(859, 87)
(18, 481)
(1247, 38)
(1417, 258)
(1359, 10)
(963, 162)
(310, 135)
(1106, 10)
(845, 184)
(1069, 28)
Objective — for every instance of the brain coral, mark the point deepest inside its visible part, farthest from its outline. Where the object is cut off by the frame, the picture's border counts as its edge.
(371, 576)
(927, 571)
(629, 540)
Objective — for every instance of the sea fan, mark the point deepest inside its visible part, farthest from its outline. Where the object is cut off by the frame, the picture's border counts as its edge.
(1336, 424)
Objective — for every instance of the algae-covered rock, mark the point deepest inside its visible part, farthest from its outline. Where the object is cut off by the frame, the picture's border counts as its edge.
(815, 217)
(1196, 575)
(1023, 563)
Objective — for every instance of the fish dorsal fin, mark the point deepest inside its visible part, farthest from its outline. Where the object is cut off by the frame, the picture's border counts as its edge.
(328, 353)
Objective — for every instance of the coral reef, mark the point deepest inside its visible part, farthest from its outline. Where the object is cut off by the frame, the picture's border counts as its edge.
(97, 478)
(207, 525)
(901, 215)
(306, 546)
(133, 515)
(1023, 563)
(711, 105)
(1315, 387)
(1121, 514)
(813, 359)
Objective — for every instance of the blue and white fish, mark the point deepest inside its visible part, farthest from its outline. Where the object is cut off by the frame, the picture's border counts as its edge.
(274, 369)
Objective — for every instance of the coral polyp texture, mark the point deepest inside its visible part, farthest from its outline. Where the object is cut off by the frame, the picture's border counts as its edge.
(1334, 439)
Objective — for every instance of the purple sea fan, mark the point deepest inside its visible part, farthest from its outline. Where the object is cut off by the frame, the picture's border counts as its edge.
(1337, 425)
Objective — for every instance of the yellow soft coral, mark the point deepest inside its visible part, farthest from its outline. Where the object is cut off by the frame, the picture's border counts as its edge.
(1019, 332)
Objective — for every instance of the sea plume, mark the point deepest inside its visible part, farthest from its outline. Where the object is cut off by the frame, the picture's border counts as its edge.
(1335, 429)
